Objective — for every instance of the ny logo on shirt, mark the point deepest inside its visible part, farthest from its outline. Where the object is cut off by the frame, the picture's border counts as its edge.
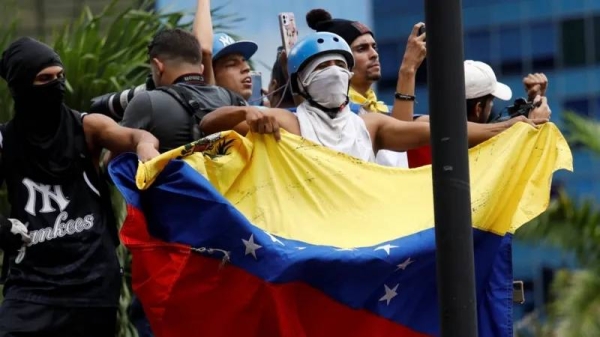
(226, 40)
(47, 193)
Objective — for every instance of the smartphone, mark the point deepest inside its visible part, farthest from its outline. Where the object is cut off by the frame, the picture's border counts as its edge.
(288, 29)
(256, 98)
(422, 30)
(518, 292)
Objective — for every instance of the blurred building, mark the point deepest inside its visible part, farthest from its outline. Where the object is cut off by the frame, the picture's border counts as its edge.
(558, 37)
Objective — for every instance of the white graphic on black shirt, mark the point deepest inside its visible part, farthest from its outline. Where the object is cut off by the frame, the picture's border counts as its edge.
(51, 196)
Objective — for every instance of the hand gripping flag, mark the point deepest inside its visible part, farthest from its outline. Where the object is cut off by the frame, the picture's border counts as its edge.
(234, 236)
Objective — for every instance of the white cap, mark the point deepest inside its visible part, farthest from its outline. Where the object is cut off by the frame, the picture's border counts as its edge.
(480, 81)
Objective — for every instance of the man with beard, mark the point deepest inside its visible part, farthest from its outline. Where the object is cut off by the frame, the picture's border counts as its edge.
(481, 89)
(319, 70)
(367, 71)
(64, 277)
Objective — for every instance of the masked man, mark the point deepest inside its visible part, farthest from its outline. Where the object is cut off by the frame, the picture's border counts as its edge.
(59, 242)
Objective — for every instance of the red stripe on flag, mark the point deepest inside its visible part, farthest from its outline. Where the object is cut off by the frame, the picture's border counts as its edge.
(418, 157)
(185, 294)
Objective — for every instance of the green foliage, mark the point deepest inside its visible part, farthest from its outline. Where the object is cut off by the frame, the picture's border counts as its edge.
(8, 28)
(576, 308)
(583, 131)
(106, 52)
(573, 226)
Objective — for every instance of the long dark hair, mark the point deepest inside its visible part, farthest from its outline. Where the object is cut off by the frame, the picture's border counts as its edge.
(279, 74)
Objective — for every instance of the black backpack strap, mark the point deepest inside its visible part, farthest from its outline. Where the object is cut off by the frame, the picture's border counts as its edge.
(190, 103)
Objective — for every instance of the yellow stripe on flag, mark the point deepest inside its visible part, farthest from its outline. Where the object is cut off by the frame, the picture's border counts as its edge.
(299, 190)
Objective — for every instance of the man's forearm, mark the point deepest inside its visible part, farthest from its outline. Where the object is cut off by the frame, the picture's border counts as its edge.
(403, 110)
(222, 119)
(478, 133)
(142, 137)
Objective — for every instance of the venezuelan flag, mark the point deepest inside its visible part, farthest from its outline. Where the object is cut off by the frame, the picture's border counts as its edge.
(234, 236)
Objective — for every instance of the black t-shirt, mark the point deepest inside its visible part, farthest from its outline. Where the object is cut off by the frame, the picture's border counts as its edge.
(71, 260)
(163, 116)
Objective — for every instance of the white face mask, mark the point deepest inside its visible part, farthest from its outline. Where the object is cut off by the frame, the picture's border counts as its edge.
(328, 86)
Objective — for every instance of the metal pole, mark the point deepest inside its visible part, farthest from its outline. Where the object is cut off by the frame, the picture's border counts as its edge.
(450, 169)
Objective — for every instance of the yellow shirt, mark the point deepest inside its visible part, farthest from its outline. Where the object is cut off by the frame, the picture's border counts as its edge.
(370, 103)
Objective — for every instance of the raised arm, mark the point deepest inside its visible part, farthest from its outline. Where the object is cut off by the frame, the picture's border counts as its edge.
(203, 31)
(413, 57)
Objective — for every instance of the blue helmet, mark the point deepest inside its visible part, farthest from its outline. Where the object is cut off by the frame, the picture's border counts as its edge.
(312, 46)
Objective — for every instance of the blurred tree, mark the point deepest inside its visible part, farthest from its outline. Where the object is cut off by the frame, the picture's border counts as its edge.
(575, 227)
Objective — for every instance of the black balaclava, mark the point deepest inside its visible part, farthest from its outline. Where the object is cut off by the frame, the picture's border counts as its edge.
(44, 135)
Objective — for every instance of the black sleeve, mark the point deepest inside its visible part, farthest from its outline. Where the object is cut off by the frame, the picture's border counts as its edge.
(9, 243)
(2, 175)
(139, 112)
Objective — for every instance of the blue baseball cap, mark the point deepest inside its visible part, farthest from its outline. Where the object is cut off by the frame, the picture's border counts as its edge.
(224, 44)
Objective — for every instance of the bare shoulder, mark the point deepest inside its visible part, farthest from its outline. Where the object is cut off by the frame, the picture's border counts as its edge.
(287, 120)
(93, 122)
(374, 116)
(99, 128)
(374, 119)
(281, 112)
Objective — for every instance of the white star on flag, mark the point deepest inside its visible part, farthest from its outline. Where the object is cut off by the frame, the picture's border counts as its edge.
(389, 294)
(386, 248)
(405, 264)
(251, 247)
(301, 248)
(345, 249)
(273, 238)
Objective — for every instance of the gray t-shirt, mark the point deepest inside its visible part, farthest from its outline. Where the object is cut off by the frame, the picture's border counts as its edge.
(163, 116)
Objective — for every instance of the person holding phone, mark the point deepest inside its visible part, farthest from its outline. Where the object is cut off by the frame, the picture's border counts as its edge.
(367, 71)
